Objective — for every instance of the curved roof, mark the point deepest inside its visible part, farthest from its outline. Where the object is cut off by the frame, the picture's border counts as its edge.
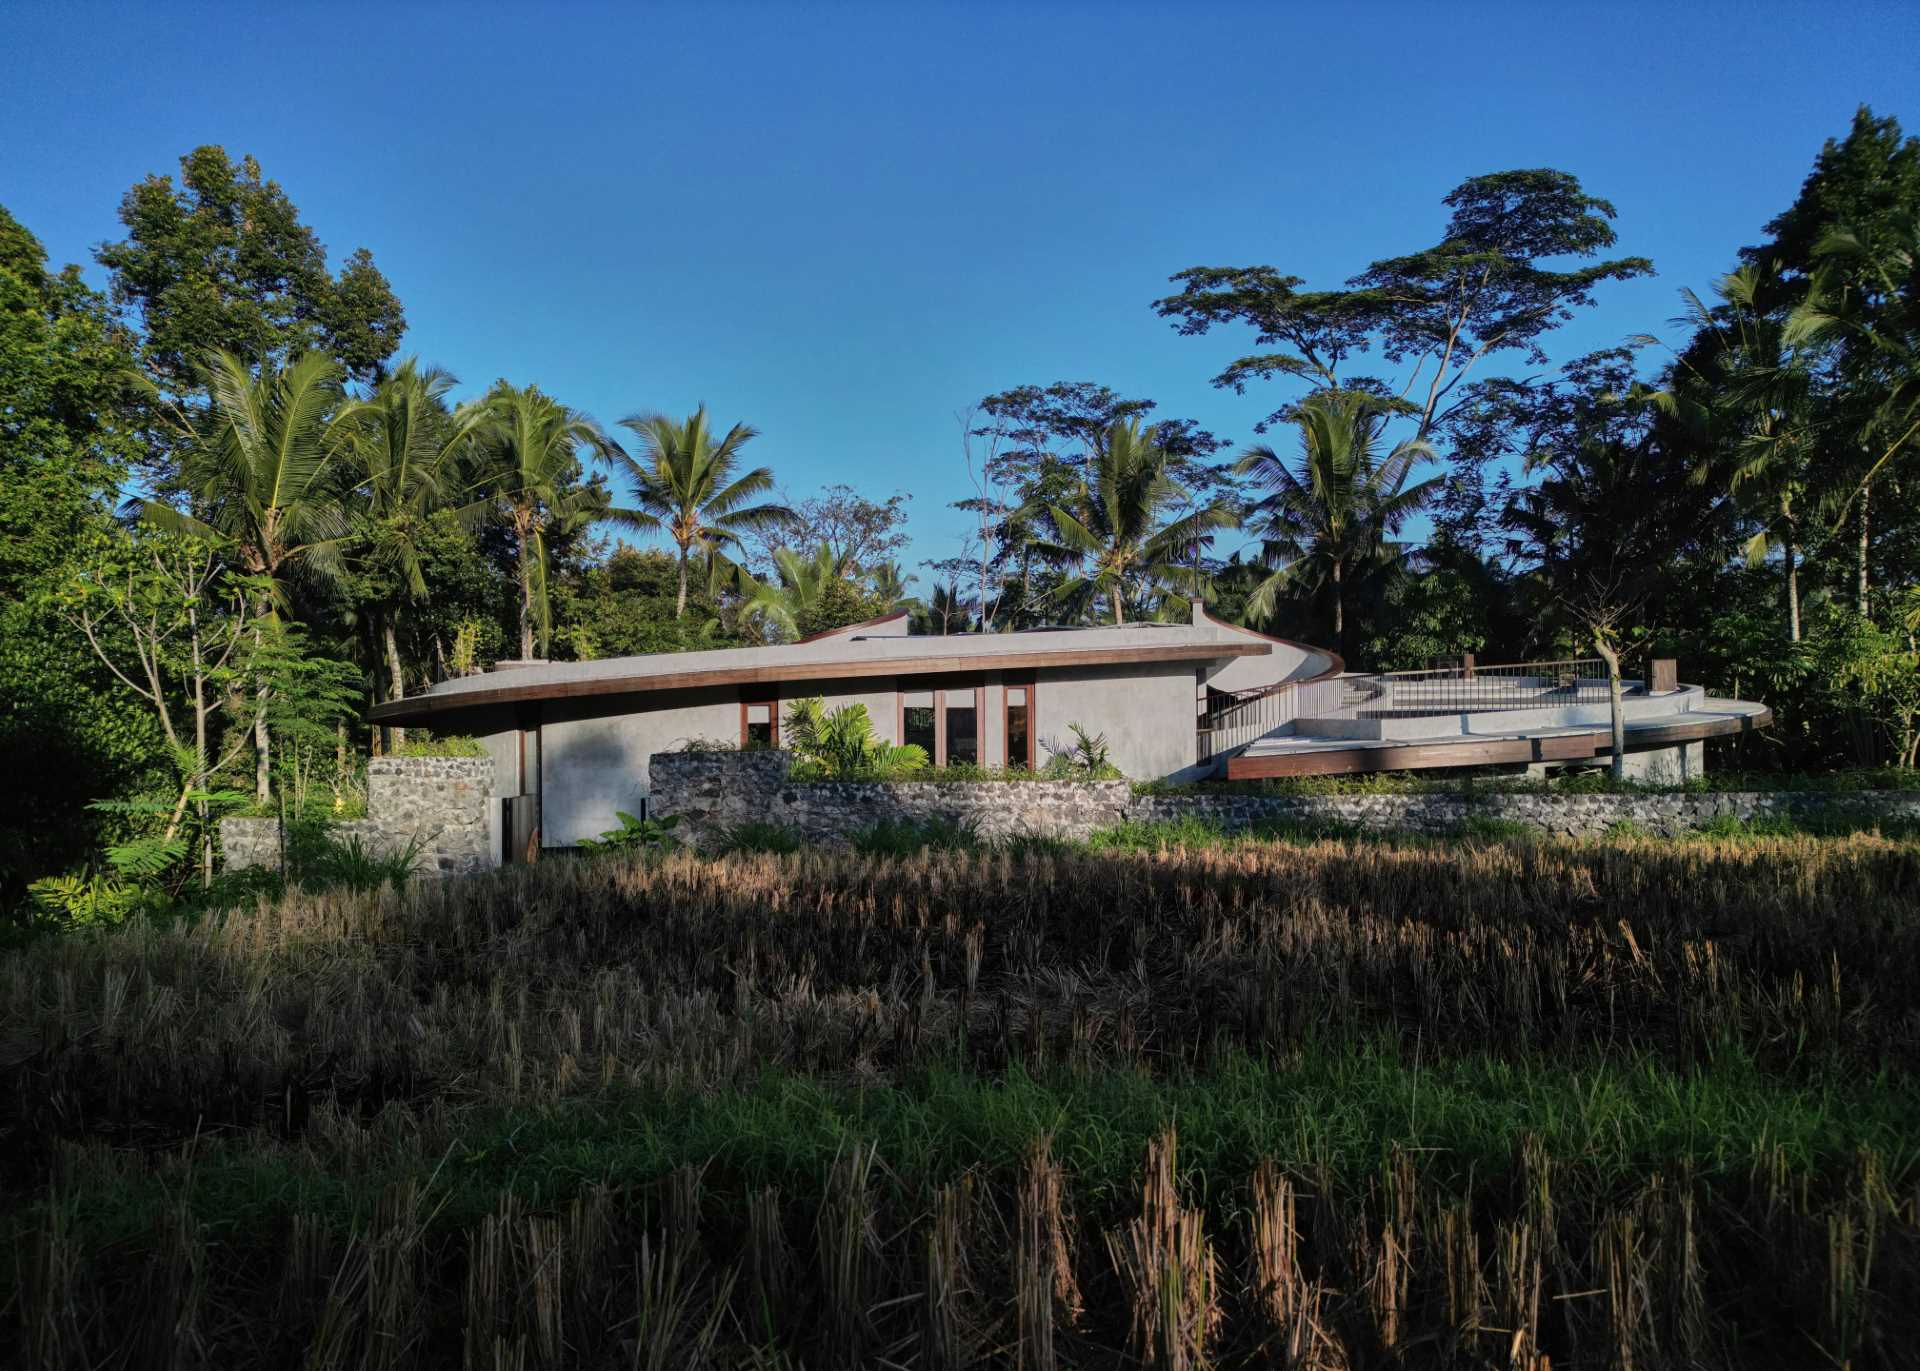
(844, 653)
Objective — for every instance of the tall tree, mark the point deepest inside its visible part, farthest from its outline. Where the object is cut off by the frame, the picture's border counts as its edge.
(1329, 521)
(1117, 527)
(1864, 190)
(529, 466)
(1747, 390)
(221, 261)
(68, 432)
(1482, 290)
(690, 487)
(407, 455)
(262, 473)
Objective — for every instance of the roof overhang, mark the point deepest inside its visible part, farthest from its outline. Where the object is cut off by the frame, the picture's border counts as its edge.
(422, 709)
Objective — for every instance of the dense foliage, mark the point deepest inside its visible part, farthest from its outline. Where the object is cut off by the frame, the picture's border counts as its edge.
(1742, 501)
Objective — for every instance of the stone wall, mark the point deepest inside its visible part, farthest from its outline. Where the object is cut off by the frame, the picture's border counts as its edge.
(715, 791)
(1572, 816)
(443, 805)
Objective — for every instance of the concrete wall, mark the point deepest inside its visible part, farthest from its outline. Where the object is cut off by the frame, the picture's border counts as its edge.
(598, 751)
(1147, 713)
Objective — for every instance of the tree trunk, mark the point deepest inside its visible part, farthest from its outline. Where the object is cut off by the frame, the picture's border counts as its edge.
(396, 678)
(1860, 560)
(1793, 591)
(1616, 711)
(526, 596)
(1339, 611)
(262, 745)
(680, 601)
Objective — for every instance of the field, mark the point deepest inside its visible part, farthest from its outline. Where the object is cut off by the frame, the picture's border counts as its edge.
(1315, 1103)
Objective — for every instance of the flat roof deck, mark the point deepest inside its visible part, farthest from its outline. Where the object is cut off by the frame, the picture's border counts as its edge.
(1294, 755)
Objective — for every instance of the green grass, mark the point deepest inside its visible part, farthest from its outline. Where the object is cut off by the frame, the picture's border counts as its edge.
(760, 836)
(905, 837)
(1334, 1111)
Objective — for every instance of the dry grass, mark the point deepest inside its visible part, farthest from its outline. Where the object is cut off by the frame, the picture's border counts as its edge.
(784, 1111)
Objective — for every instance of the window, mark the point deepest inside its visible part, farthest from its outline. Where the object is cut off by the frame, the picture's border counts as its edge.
(917, 721)
(963, 728)
(946, 723)
(1020, 726)
(759, 720)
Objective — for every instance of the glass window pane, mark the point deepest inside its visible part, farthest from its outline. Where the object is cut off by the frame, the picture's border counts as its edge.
(963, 732)
(1019, 736)
(917, 721)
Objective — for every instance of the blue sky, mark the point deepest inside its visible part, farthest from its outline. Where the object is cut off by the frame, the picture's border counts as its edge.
(844, 223)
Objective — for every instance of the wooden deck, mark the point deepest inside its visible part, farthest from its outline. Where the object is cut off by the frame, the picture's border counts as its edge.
(1288, 756)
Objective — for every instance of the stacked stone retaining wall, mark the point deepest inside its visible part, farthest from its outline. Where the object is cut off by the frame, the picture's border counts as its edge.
(442, 806)
(713, 792)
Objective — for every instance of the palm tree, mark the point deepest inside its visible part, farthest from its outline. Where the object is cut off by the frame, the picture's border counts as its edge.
(1116, 524)
(803, 585)
(529, 445)
(408, 454)
(1867, 290)
(1330, 520)
(948, 605)
(685, 485)
(261, 474)
(1747, 390)
(890, 585)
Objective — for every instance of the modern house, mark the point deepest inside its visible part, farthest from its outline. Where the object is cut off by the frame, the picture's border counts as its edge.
(1180, 701)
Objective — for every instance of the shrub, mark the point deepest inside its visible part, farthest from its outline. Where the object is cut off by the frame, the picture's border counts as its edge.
(759, 836)
(839, 744)
(906, 837)
(455, 745)
(635, 835)
(1086, 760)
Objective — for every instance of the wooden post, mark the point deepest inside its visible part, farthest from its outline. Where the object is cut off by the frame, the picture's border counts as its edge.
(1663, 676)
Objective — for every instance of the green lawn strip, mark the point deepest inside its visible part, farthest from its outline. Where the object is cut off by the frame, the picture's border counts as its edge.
(1337, 1114)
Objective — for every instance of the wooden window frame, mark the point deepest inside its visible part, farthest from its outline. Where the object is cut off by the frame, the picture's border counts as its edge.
(1031, 685)
(906, 686)
(760, 695)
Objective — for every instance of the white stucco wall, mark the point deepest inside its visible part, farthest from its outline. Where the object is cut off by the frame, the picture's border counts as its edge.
(596, 759)
(1145, 711)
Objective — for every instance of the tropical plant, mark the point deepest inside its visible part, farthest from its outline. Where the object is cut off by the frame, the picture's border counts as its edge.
(840, 743)
(811, 595)
(1745, 388)
(528, 451)
(259, 472)
(1329, 521)
(634, 834)
(889, 584)
(685, 485)
(1087, 758)
(407, 451)
(1115, 528)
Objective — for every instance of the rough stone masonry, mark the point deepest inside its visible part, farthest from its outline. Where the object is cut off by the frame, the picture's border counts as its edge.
(716, 791)
(441, 805)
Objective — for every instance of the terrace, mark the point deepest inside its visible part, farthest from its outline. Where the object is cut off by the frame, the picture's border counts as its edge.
(1533, 713)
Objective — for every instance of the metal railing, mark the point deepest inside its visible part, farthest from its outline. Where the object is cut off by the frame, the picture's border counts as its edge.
(1471, 689)
(1254, 716)
(1464, 689)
